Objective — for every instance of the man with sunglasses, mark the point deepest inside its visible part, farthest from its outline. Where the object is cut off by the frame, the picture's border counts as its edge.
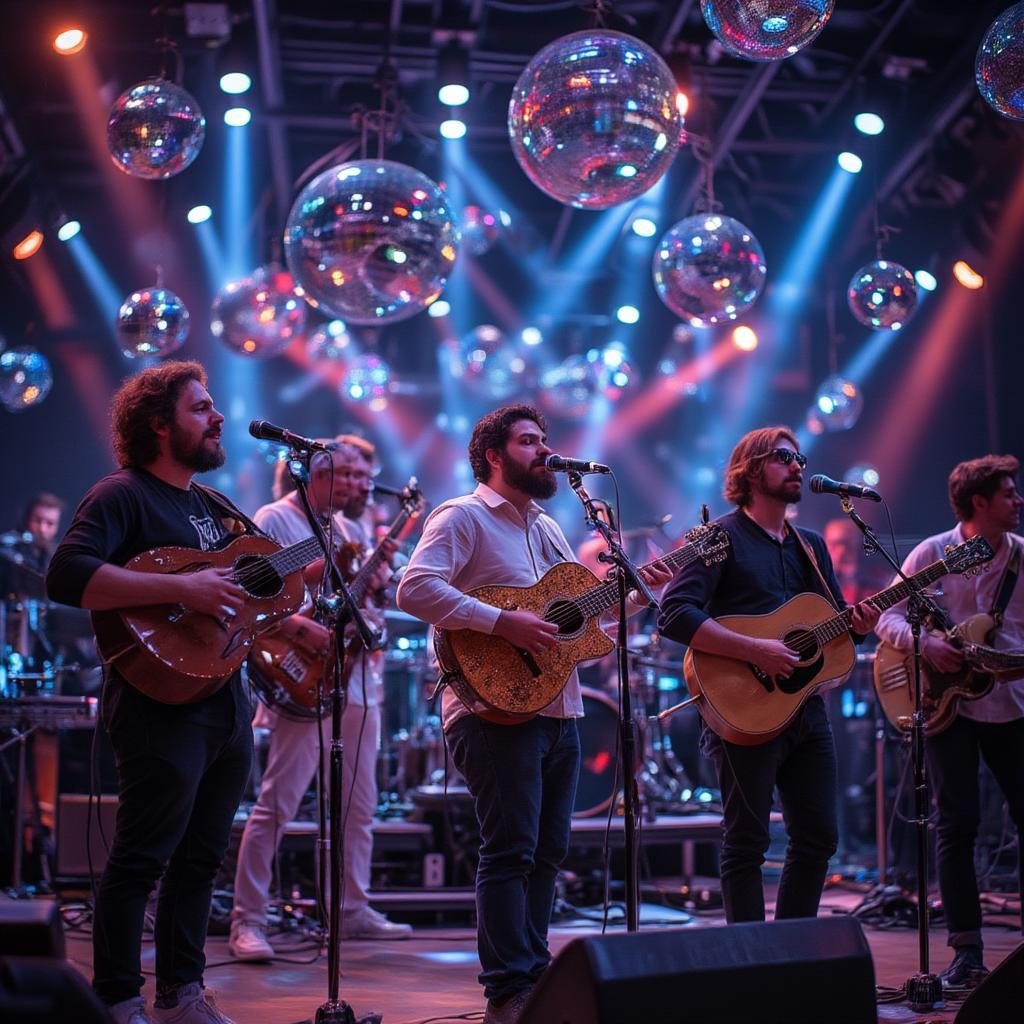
(769, 562)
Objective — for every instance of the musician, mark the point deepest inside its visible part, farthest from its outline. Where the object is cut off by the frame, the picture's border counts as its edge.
(522, 777)
(181, 767)
(339, 487)
(769, 561)
(983, 494)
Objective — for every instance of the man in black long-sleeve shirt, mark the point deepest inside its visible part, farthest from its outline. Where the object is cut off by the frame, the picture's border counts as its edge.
(766, 566)
(182, 767)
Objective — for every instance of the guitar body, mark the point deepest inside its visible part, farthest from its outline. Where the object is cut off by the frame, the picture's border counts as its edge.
(179, 656)
(941, 692)
(747, 710)
(508, 685)
(286, 666)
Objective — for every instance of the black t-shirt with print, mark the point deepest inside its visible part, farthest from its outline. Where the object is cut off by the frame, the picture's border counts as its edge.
(121, 516)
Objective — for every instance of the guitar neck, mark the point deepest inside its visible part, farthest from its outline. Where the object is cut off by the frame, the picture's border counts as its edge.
(298, 556)
(361, 582)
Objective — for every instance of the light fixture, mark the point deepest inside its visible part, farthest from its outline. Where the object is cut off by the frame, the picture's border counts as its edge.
(627, 314)
(453, 128)
(29, 245)
(235, 83)
(453, 74)
(198, 214)
(868, 123)
(439, 307)
(453, 94)
(967, 275)
(744, 338)
(71, 40)
(68, 230)
(644, 227)
(850, 162)
(682, 103)
(237, 117)
(926, 280)
(531, 336)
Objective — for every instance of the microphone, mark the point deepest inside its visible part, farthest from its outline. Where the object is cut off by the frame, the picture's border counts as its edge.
(563, 465)
(821, 484)
(395, 492)
(267, 431)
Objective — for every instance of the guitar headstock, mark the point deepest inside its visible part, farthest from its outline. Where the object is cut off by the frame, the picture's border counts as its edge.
(969, 557)
(412, 498)
(711, 541)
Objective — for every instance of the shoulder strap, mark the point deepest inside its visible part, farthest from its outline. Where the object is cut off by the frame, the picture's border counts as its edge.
(1007, 583)
(813, 559)
(228, 510)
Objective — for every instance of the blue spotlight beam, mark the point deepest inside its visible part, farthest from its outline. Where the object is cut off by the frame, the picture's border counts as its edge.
(237, 204)
(104, 292)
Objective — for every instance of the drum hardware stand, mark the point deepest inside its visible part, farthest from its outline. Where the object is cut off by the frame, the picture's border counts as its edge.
(342, 610)
(18, 889)
(628, 577)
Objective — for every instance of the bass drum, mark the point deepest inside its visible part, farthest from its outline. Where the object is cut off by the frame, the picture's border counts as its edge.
(599, 755)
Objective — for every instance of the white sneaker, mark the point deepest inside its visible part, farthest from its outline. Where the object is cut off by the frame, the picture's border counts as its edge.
(130, 1011)
(367, 923)
(248, 942)
(196, 1005)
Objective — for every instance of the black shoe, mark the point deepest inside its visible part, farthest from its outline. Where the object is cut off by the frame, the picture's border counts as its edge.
(967, 969)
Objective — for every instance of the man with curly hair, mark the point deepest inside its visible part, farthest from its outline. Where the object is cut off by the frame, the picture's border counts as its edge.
(181, 768)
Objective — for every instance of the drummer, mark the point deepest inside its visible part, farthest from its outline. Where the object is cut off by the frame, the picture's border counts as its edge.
(33, 546)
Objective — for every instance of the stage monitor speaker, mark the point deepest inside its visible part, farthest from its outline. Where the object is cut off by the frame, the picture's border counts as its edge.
(73, 826)
(40, 991)
(31, 928)
(999, 999)
(784, 972)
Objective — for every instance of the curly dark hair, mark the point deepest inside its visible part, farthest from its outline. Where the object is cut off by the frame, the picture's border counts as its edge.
(983, 477)
(147, 397)
(747, 461)
(493, 431)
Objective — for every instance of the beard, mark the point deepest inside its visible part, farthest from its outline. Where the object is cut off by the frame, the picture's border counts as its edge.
(536, 485)
(355, 508)
(789, 491)
(197, 456)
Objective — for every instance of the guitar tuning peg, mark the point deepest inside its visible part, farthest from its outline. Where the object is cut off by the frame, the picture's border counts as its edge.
(705, 515)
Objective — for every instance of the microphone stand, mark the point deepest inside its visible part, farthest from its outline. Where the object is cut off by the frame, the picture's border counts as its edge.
(627, 577)
(924, 989)
(330, 843)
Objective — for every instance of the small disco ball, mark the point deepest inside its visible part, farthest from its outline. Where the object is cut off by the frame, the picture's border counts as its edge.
(479, 229)
(260, 315)
(329, 343)
(882, 295)
(999, 65)
(155, 130)
(864, 474)
(708, 268)
(371, 241)
(367, 379)
(766, 29)
(152, 322)
(838, 403)
(593, 119)
(494, 366)
(25, 378)
(583, 383)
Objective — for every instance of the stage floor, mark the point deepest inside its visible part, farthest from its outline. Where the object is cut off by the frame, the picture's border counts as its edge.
(433, 974)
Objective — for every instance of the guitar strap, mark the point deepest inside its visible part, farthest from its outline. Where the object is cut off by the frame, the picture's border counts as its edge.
(235, 520)
(1006, 584)
(813, 559)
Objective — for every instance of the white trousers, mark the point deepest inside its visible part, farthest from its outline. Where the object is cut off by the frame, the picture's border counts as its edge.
(291, 763)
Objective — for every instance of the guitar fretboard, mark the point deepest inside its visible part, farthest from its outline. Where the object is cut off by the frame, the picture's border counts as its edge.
(361, 583)
(296, 557)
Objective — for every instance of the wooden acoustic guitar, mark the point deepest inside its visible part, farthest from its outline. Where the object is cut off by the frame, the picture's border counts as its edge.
(745, 705)
(503, 683)
(941, 692)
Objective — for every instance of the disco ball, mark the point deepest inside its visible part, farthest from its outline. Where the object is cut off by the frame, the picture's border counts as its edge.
(152, 322)
(494, 366)
(593, 119)
(838, 403)
(25, 378)
(864, 474)
(479, 229)
(882, 295)
(328, 343)
(999, 65)
(155, 130)
(708, 269)
(766, 29)
(371, 241)
(583, 383)
(260, 315)
(367, 379)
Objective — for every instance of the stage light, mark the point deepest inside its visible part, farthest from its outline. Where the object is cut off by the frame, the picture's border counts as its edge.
(439, 308)
(237, 117)
(869, 124)
(682, 103)
(235, 83)
(531, 336)
(966, 275)
(453, 94)
(744, 338)
(29, 245)
(198, 214)
(644, 227)
(68, 230)
(627, 314)
(71, 40)
(925, 280)
(850, 162)
(453, 74)
(453, 128)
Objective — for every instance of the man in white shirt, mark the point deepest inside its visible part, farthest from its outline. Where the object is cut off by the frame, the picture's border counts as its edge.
(522, 777)
(338, 489)
(983, 493)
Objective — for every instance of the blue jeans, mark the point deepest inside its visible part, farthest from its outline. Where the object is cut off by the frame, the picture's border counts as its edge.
(523, 782)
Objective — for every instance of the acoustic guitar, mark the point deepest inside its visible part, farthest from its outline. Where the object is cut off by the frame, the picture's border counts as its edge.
(503, 683)
(745, 705)
(941, 692)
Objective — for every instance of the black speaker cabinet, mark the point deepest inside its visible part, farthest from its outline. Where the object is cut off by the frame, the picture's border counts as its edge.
(783, 972)
(30, 928)
(999, 999)
(35, 990)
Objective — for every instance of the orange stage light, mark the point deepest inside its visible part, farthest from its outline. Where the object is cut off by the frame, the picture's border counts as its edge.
(744, 338)
(29, 245)
(71, 40)
(967, 275)
(682, 103)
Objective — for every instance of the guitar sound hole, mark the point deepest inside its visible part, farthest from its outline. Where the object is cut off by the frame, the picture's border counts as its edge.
(566, 616)
(802, 642)
(257, 576)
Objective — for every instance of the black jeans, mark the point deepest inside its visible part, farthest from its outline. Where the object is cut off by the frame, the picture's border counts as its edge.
(181, 773)
(801, 762)
(952, 758)
(523, 782)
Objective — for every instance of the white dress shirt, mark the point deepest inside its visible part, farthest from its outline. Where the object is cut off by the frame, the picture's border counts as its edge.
(963, 596)
(477, 540)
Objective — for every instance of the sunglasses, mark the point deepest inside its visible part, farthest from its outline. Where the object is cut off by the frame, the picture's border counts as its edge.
(786, 456)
